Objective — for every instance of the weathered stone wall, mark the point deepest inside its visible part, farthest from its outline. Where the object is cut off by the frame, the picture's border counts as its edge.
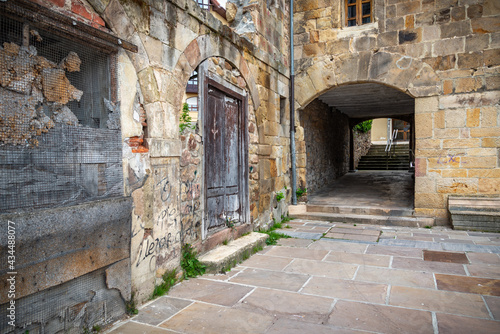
(445, 54)
(159, 165)
(326, 136)
(362, 143)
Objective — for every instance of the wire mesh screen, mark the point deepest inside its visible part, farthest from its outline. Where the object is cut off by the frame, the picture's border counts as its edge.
(60, 141)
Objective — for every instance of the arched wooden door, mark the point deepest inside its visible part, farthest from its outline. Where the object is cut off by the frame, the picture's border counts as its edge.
(226, 152)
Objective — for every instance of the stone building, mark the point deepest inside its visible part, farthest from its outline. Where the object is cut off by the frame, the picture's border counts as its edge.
(104, 189)
(431, 63)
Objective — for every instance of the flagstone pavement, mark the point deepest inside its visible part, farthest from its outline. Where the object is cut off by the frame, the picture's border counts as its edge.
(342, 278)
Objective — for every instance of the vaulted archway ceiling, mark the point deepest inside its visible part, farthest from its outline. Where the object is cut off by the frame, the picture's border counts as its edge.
(369, 100)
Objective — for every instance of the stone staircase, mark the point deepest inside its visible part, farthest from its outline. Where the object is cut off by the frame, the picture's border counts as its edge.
(378, 159)
(360, 215)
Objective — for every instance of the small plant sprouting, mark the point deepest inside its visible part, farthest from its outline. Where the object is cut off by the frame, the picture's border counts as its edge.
(130, 306)
(428, 226)
(225, 242)
(96, 328)
(279, 196)
(190, 264)
(185, 119)
(169, 280)
(287, 226)
(300, 192)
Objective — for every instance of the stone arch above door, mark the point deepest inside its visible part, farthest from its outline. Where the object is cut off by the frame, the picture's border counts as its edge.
(404, 73)
(212, 45)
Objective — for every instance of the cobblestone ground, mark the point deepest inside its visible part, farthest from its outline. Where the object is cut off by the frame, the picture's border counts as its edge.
(342, 278)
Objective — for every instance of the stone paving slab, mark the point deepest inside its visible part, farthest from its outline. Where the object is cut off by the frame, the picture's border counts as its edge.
(448, 257)
(481, 286)
(342, 286)
(363, 259)
(346, 289)
(161, 309)
(421, 265)
(288, 326)
(439, 301)
(452, 324)
(206, 318)
(380, 318)
(493, 305)
(264, 261)
(396, 277)
(294, 305)
(271, 279)
(319, 268)
(220, 293)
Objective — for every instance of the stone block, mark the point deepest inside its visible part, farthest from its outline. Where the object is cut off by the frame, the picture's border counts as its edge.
(449, 46)
(485, 132)
(446, 133)
(423, 125)
(478, 162)
(154, 49)
(455, 118)
(490, 116)
(430, 200)
(461, 143)
(337, 46)
(456, 29)
(475, 43)
(149, 85)
(467, 85)
(473, 117)
(313, 50)
(425, 184)
(454, 173)
(456, 186)
(490, 142)
(485, 25)
(43, 250)
(492, 57)
(118, 20)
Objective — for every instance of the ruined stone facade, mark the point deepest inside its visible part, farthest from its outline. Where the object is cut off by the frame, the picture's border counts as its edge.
(443, 53)
(162, 193)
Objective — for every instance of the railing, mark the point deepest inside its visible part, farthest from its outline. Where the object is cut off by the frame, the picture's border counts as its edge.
(390, 141)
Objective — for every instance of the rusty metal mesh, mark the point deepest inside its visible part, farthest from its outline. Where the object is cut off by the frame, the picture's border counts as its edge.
(59, 132)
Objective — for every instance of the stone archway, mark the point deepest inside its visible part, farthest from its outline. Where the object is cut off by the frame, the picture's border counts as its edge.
(401, 72)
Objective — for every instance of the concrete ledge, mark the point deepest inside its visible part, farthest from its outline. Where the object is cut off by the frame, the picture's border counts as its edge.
(222, 257)
(475, 213)
(367, 219)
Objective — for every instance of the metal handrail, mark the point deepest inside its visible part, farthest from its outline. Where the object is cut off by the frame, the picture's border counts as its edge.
(391, 140)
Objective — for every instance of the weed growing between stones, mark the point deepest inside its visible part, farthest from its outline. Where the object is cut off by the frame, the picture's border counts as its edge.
(169, 280)
(300, 192)
(274, 236)
(191, 266)
(131, 308)
(279, 196)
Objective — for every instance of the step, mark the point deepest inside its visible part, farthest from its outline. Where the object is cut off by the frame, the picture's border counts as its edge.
(359, 210)
(227, 256)
(367, 219)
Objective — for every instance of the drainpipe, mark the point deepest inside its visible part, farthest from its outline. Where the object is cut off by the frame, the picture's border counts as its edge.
(292, 112)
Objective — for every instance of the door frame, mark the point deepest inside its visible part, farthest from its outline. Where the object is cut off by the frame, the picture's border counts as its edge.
(225, 87)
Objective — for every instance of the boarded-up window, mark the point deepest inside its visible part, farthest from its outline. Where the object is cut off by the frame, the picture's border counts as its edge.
(60, 140)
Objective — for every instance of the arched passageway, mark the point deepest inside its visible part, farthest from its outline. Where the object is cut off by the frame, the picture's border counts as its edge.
(330, 137)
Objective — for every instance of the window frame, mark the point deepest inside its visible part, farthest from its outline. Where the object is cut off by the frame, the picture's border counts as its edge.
(359, 12)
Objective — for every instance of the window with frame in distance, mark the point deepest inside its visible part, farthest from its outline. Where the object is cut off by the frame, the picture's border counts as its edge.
(358, 12)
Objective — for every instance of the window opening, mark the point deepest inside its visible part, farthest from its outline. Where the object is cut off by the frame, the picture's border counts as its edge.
(358, 12)
(192, 85)
(60, 141)
(204, 4)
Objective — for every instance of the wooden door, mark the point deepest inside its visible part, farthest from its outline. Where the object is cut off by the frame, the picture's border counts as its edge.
(225, 158)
